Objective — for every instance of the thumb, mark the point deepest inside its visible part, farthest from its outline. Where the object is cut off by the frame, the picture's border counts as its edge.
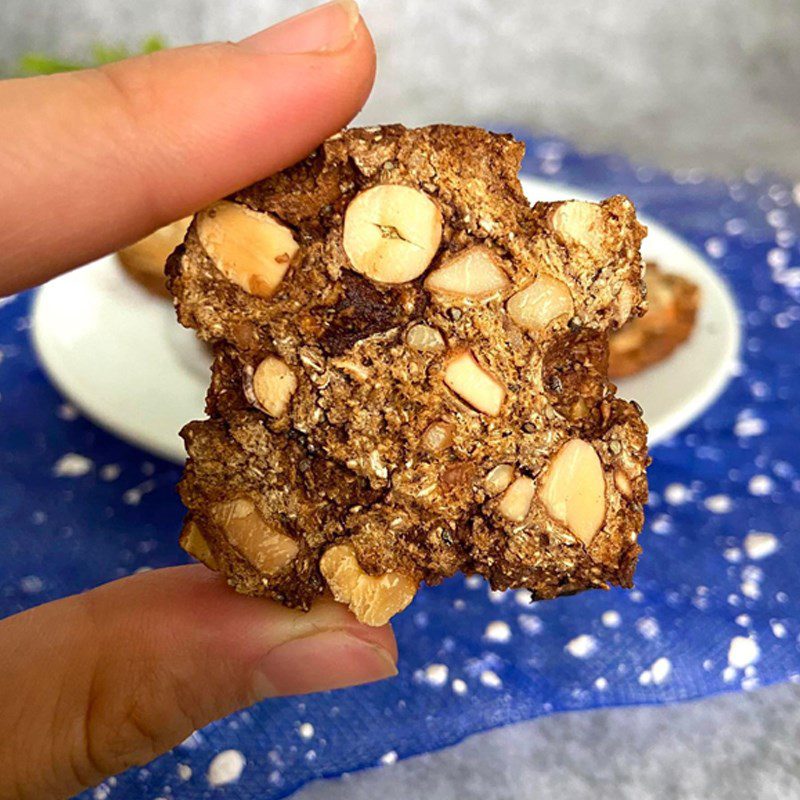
(99, 682)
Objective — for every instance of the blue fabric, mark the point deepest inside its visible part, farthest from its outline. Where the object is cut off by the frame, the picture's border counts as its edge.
(732, 472)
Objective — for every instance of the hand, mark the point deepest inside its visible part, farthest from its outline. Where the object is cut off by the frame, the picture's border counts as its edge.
(90, 161)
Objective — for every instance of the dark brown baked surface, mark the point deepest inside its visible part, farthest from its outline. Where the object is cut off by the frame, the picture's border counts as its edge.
(413, 381)
(668, 323)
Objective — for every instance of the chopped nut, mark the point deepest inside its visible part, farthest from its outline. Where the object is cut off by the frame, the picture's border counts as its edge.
(458, 475)
(578, 410)
(573, 489)
(516, 502)
(473, 384)
(274, 383)
(313, 360)
(582, 223)
(438, 436)
(622, 482)
(354, 368)
(264, 543)
(498, 479)
(472, 273)
(248, 247)
(391, 233)
(377, 466)
(195, 544)
(245, 334)
(626, 297)
(373, 599)
(536, 306)
(424, 337)
(149, 255)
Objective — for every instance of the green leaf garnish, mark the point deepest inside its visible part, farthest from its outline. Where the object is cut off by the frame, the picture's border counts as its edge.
(42, 64)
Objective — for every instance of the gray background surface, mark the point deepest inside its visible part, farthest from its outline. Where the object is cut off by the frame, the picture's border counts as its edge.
(683, 83)
(687, 83)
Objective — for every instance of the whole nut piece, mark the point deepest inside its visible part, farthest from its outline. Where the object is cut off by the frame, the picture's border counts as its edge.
(352, 367)
(498, 478)
(264, 543)
(536, 306)
(274, 383)
(195, 544)
(473, 384)
(149, 255)
(248, 247)
(373, 599)
(622, 482)
(424, 338)
(473, 273)
(391, 233)
(516, 502)
(626, 297)
(578, 222)
(573, 490)
(438, 436)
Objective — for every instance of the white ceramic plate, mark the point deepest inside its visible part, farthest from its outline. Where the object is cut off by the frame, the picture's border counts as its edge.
(117, 352)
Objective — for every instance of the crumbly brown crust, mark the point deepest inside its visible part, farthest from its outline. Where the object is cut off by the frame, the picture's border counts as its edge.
(668, 323)
(350, 459)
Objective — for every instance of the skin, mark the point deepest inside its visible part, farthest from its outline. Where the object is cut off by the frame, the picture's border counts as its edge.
(93, 684)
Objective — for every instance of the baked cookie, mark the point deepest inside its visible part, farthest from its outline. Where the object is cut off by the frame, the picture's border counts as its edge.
(144, 260)
(672, 308)
(410, 377)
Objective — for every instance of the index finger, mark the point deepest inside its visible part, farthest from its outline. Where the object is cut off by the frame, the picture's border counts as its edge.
(93, 160)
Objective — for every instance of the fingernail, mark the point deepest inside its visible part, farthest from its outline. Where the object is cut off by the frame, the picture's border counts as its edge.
(324, 29)
(323, 661)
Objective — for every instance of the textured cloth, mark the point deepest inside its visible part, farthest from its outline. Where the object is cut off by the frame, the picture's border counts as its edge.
(717, 604)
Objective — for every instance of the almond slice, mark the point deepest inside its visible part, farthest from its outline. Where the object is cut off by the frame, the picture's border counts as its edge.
(248, 247)
(263, 542)
(148, 256)
(424, 338)
(438, 436)
(195, 544)
(374, 599)
(516, 502)
(573, 489)
(622, 482)
(473, 384)
(498, 479)
(473, 273)
(582, 223)
(536, 306)
(274, 383)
